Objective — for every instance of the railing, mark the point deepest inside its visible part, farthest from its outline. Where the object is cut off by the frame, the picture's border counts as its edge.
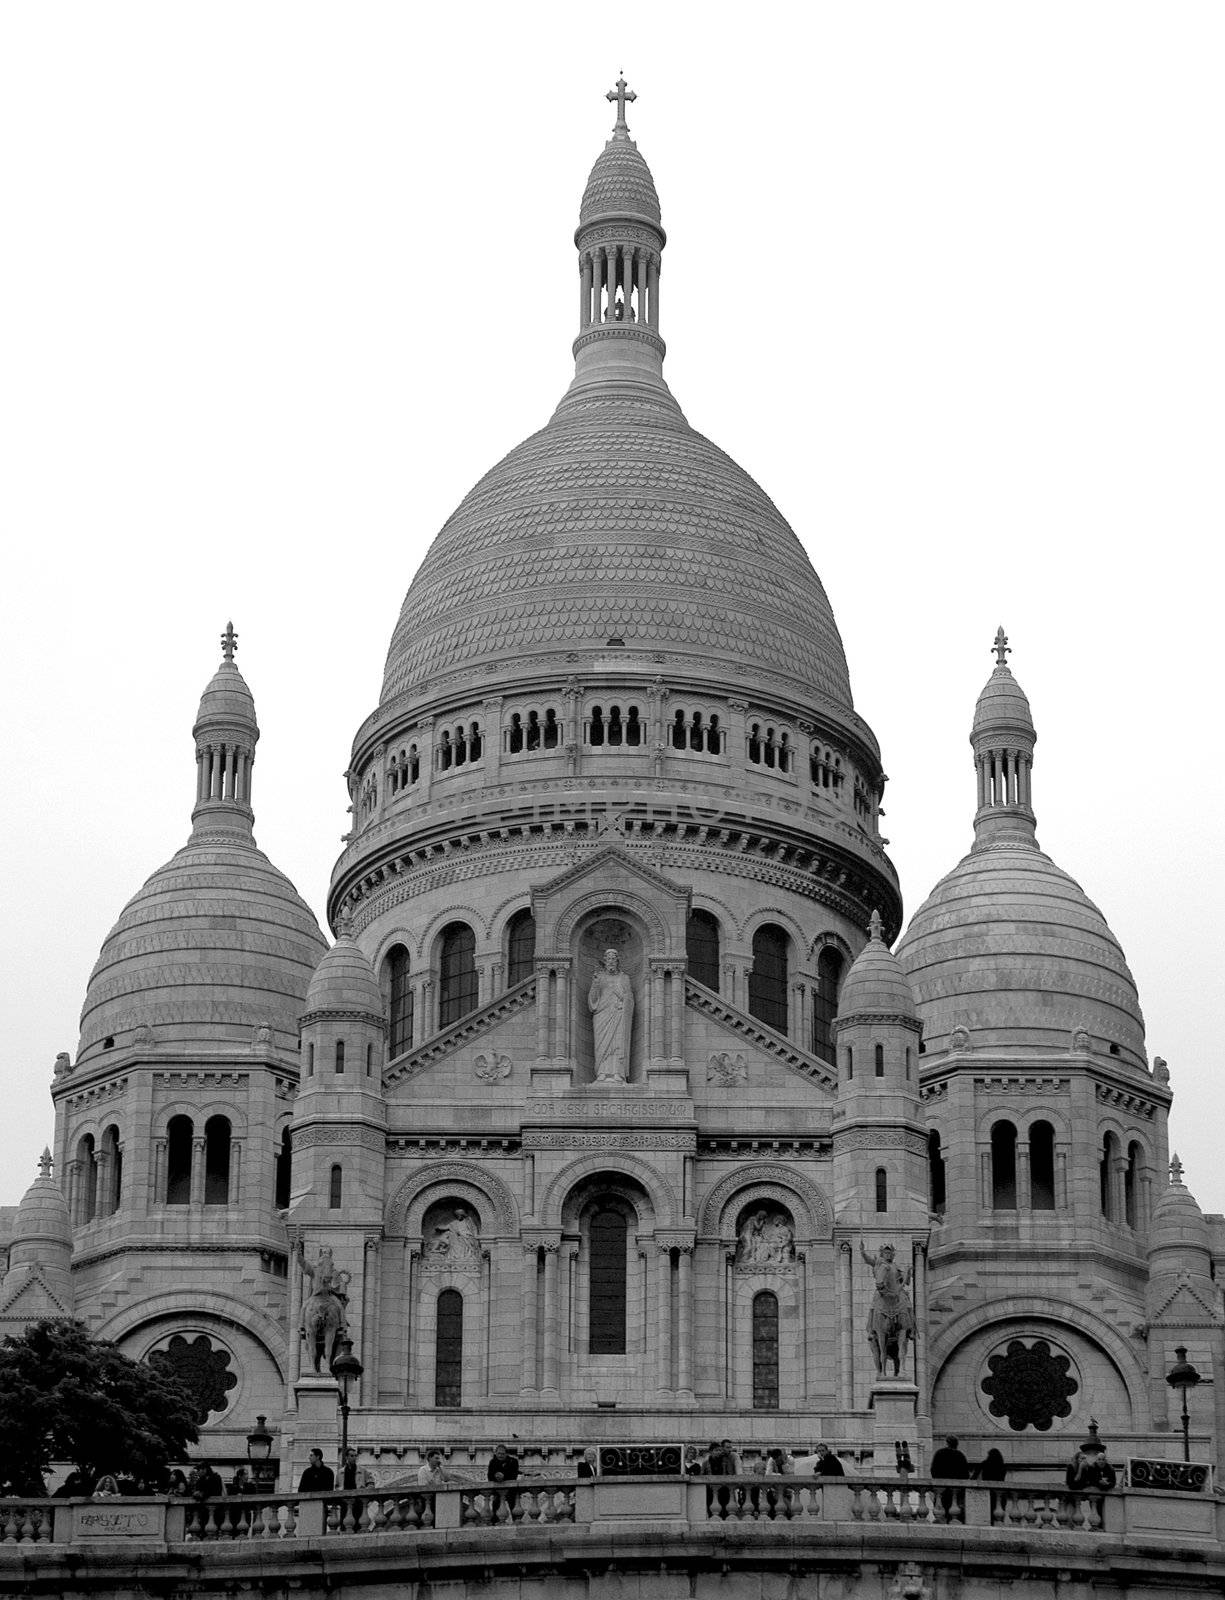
(605, 1504)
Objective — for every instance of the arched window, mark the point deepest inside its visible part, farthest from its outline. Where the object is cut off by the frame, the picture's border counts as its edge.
(768, 978)
(880, 1060)
(520, 947)
(217, 1161)
(702, 948)
(765, 1351)
(1105, 1174)
(935, 1175)
(607, 1283)
(825, 1003)
(882, 1189)
(449, 1349)
(399, 998)
(336, 1187)
(1004, 1167)
(179, 1134)
(1131, 1184)
(112, 1151)
(283, 1186)
(1042, 1166)
(595, 726)
(457, 974)
(87, 1179)
(340, 1055)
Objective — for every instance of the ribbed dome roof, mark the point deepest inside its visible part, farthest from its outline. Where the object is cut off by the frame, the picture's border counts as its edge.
(1178, 1223)
(344, 981)
(217, 942)
(620, 185)
(42, 1217)
(617, 519)
(1002, 704)
(1011, 948)
(876, 983)
(227, 698)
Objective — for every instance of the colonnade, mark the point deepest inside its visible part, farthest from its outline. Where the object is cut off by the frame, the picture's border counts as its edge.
(1004, 778)
(223, 772)
(632, 270)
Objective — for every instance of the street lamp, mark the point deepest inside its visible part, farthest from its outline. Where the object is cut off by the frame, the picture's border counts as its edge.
(259, 1451)
(346, 1369)
(1183, 1376)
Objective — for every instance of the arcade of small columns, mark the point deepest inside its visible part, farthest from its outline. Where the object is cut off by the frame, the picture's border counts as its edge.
(1004, 779)
(223, 772)
(609, 267)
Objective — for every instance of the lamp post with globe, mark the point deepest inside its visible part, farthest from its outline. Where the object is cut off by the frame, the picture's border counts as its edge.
(1183, 1376)
(346, 1369)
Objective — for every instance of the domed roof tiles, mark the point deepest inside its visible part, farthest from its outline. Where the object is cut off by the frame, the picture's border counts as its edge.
(227, 698)
(216, 943)
(1178, 1223)
(1011, 948)
(618, 519)
(42, 1217)
(1002, 702)
(620, 185)
(876, 983)
(344, 981)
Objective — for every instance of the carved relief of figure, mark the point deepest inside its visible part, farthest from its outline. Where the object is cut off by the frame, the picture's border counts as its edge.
(611, 1001)
(891, 1322)
(766, 1240)
(324, 1316)
(456, 1242)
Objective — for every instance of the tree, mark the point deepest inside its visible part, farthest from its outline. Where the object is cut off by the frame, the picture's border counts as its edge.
(65, 1396)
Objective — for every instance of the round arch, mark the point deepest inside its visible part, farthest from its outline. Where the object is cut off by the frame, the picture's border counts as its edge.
(228, 1309)
(494, 1201)
(661, 1192)
(814, 1215)
(627, 902)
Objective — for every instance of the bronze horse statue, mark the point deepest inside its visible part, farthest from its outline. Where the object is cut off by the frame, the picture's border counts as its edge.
(323, 1311)
(891, 1323)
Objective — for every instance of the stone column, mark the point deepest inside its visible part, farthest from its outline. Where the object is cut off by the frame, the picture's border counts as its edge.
(655, 1011)
(642, 286)
(684, 1353)
(425, 754)
(372, 1296)
(530, 1332)
(544, 1004)
(663, 1312)
(561, 1014)
(676, 1043)
(1024, 1184)
(584, 291)
(159, 1172)
(551, 1331)
(1118, 1166)
(846, 1328)
(919, 1285)
(1061, 1178)
(653, 291)
(234, 1194)
(197, 1170)
(491, 750)
(295, 1315)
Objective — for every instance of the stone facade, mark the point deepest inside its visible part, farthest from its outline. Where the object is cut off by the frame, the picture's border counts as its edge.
(616, 715)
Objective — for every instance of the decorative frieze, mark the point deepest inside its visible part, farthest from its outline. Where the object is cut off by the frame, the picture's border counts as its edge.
(607, 1139)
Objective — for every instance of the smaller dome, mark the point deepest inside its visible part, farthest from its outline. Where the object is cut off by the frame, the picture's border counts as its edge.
(876, 983)
(1178, 1236)
(227, 699)
(344, 981)
(42, 1217)
(620, 185)
(1002, 704)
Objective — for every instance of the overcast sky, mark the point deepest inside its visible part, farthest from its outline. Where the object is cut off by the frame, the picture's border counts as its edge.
(280, 281)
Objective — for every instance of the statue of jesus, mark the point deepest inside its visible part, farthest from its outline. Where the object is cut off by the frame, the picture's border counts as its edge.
(611, 1000)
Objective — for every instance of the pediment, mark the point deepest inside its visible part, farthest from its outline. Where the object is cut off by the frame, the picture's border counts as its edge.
(610, 877)
(1185, 1306)
(727, 1031)
(31, 1299)
(495, 1031)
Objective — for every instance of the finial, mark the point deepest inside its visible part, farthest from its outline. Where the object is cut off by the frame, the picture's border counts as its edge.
(229, 642)
(874, 927)
(1175, 1168)
(45, 1163)
(621, 95)
(344, 923)
(1001, 647)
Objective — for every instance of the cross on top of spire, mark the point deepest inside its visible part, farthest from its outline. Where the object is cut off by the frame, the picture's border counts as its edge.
(621, 95)
(1001, 647)
(229, 642)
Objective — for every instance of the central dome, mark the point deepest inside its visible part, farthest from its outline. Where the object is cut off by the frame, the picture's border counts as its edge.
(617, 520)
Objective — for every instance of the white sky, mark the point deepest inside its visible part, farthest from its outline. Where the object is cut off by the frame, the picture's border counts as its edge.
(280, 281)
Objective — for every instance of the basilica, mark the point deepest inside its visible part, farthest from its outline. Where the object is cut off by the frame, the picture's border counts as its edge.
(626, 1108)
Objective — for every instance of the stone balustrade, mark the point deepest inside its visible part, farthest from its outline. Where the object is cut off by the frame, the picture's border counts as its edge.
(701, 1505)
